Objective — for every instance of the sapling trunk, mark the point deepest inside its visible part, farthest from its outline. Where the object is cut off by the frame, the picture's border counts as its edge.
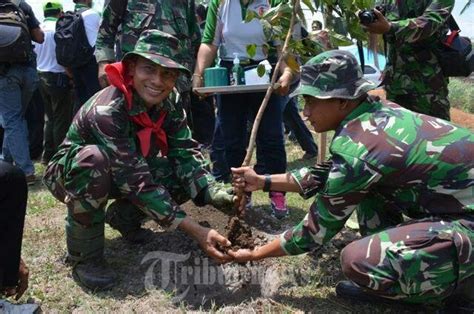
(261, 110)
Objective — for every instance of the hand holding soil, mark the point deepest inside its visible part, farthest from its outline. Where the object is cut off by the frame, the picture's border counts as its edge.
(242, 255)
(210, 242)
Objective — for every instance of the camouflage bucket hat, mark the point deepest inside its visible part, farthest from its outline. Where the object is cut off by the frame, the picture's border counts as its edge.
(333, 74)
(160, 48)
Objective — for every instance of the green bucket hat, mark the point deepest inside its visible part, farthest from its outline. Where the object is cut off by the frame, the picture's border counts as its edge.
(52, 5)
(160, 48)
(333, 74)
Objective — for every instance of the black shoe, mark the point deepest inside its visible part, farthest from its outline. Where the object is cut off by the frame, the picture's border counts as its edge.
(95, 274)
(124, 217)
(138, 236)
(349, 290)
(462, 299)
(459, 305)
(307, 156)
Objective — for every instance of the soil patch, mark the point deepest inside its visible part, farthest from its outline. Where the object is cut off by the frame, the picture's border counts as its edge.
(240, 234)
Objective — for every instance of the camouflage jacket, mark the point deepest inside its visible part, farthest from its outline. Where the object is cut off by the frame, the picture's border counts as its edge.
(417, 28)
(176, 17)
(104, 121)
(420, 165)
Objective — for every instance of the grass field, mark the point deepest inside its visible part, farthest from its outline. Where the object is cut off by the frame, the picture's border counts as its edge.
(461, 94)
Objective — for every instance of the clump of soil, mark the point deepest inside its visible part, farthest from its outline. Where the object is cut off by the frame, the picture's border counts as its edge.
(239, 234)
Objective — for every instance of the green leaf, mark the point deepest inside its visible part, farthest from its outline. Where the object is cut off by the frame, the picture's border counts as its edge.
(309, 4)
(251, 50)
(261, 70)
(250, 16)
(339, 40)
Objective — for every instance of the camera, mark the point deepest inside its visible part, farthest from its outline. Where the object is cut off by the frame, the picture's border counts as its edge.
(368, 16)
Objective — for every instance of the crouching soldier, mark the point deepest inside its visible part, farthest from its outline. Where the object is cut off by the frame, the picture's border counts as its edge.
(130, 142)
(386, 162)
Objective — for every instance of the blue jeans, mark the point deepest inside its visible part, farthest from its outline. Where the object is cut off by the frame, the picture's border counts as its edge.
(16, 89)
(235, 111)
(293, 121)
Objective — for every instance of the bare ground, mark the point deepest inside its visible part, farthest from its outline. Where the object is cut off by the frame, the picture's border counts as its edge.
(170, 273)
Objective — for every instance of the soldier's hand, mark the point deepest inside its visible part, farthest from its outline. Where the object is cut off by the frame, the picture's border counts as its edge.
(245, 178)
(211, 242)
(103, 81)
(379, 26)
(241, 255)
(220, 197)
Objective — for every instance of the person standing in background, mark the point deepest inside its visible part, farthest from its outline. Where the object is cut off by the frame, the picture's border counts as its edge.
(54, 84)
(413, 77)
(86, 83)
(226, 31)
(18, 81)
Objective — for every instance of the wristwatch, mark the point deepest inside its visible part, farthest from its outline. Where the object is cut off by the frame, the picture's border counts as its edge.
(268, 183)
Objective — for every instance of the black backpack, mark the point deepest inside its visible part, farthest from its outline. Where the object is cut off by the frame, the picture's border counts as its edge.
(15, 38)
(72, 47)
(455, 53)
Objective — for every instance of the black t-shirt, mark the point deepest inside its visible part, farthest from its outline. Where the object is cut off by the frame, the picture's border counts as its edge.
(30, 15)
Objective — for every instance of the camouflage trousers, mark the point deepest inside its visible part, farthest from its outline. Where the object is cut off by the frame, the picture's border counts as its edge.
(436, 105)
(421, 261)
(81, 179)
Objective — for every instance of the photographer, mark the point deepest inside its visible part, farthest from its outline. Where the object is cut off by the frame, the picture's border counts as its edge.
(413, 76)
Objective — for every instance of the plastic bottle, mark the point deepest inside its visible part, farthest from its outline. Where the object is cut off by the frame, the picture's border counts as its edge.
(237, 72)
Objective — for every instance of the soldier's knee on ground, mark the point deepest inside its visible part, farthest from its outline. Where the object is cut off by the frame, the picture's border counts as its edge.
(354, 262)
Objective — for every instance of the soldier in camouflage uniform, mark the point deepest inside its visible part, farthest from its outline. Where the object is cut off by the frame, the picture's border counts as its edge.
(130, 142)
(386, 161)
(413, 76)
(175, 17)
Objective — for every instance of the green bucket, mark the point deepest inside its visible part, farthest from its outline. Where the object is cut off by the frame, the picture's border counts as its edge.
(216, 76)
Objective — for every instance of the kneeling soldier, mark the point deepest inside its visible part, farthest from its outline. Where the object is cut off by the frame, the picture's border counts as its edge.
(130, 142)
(386, 162)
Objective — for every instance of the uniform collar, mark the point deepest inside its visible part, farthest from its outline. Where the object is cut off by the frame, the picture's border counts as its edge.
(80, 6)
(50, 19)
(367, 105)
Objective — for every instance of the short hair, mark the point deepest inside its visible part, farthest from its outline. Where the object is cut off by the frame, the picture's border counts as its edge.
(317, 23)
(201, 11)
(51, 13)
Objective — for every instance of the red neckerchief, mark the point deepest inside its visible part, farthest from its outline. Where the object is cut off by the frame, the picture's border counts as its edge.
(117, 77)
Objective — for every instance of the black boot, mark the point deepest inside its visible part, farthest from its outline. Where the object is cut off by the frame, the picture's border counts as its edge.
(95, 274)
(137, 236)
(124, 217)
(462, 299)
(348, 290)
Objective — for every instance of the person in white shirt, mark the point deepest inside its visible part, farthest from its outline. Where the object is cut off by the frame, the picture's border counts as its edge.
(85, 78)
(54, 84)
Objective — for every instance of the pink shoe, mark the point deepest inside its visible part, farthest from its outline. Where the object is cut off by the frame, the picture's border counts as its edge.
(278, 203)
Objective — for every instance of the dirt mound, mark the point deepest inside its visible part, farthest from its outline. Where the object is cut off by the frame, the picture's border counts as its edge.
(240, 234)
